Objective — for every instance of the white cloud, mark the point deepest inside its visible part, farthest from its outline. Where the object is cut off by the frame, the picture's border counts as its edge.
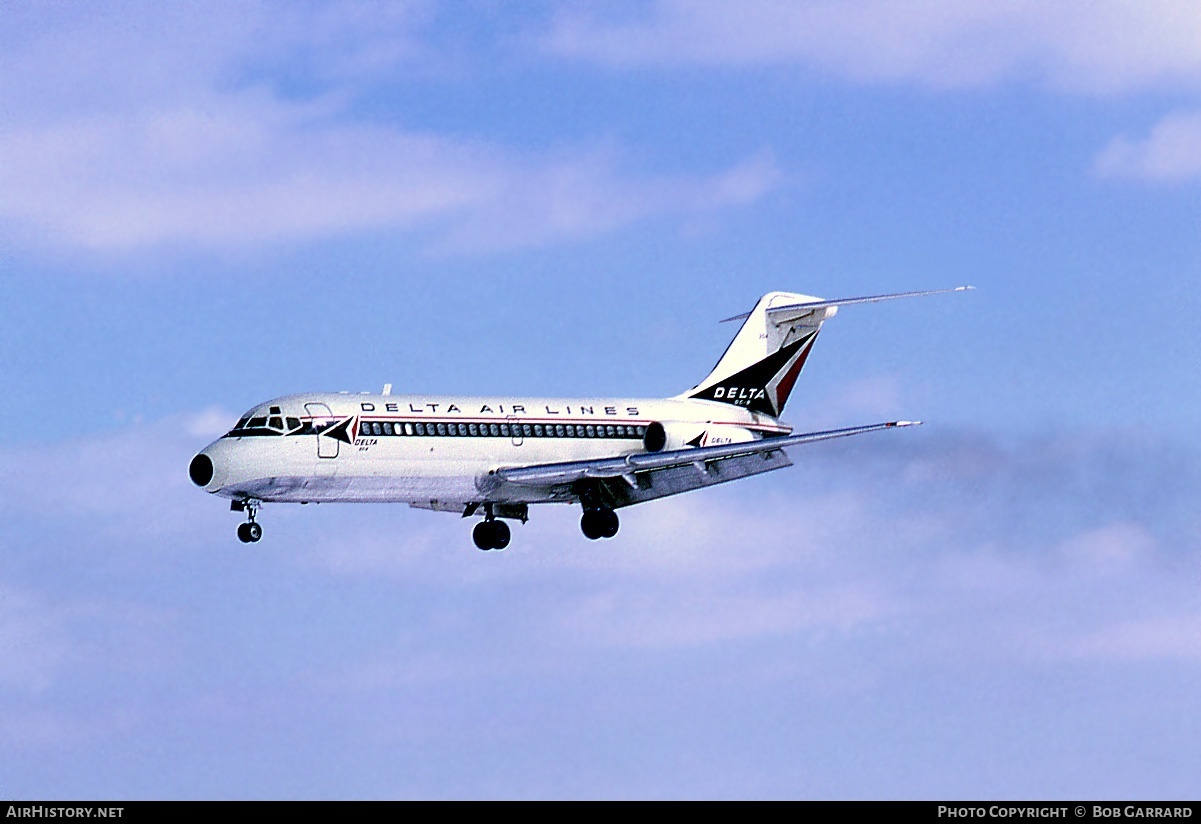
(209, 423)
(34, 640)
(1171, 153)
(1168, 637)
(945, 539)
(1094, 47)
(1110, 549)
(880, 397)
(248, 169)
(123, 138)
(128, 56)
(843, 584)
(955, 544)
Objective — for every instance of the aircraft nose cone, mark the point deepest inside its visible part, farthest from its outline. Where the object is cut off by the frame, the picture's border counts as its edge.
(200, 470)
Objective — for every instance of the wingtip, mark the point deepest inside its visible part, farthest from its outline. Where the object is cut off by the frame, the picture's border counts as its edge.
(906, 423)
(964, 289)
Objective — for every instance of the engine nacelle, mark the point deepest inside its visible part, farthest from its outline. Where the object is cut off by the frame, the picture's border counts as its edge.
(667, 436)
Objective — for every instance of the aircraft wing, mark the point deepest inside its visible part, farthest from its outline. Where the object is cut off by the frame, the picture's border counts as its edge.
(646, 475)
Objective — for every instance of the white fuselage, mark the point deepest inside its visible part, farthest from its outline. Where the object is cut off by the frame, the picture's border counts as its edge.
(437, 452)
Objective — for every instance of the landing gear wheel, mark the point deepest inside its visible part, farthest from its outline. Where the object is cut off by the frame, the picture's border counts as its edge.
(491, 535)
(249, 532)
(610, 523)
(599, 523)
(500, 535)
(482, 535)
(591, 524)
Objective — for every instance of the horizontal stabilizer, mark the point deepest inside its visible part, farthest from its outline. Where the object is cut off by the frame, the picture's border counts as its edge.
(823, 304)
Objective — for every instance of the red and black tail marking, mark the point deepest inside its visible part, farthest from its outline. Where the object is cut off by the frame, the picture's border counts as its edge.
(763, 386)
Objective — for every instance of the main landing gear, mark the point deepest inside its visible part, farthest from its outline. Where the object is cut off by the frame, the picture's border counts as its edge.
(491, 533)
(599, 519)
(599, 522)
(251, 531)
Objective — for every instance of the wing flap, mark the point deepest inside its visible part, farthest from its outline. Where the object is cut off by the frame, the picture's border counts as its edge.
(660, 483)
(699, 461)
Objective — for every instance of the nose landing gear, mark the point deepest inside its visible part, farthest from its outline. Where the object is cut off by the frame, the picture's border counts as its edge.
(249, 532)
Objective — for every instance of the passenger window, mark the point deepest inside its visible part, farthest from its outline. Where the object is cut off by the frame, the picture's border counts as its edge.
(441, 429)
(591, 431)
(504, 429)
(387, 429)
(527, 429)
(408, 429)
(473, 429)
(559, 430)
(537, 430)
(494, 429)
(420, 429)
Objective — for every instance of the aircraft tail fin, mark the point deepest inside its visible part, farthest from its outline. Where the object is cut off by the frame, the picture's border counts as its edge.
(761, 365)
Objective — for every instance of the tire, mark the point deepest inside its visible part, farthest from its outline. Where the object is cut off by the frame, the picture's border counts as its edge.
(482, 535)
(592, 525)
(244, 533)
(609, 523)
(254, 531)
(500, 535)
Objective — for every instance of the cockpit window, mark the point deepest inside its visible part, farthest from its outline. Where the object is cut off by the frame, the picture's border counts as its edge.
(273, 423)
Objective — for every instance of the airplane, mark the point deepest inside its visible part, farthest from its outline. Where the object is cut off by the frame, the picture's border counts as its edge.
(494, 456)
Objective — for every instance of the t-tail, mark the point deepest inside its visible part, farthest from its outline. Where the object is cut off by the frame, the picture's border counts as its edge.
(760, 366)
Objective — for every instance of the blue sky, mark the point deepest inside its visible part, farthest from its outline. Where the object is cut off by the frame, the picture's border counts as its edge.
(207, 205)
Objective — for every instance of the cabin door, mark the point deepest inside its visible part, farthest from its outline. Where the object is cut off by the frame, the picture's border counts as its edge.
(322, 419)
